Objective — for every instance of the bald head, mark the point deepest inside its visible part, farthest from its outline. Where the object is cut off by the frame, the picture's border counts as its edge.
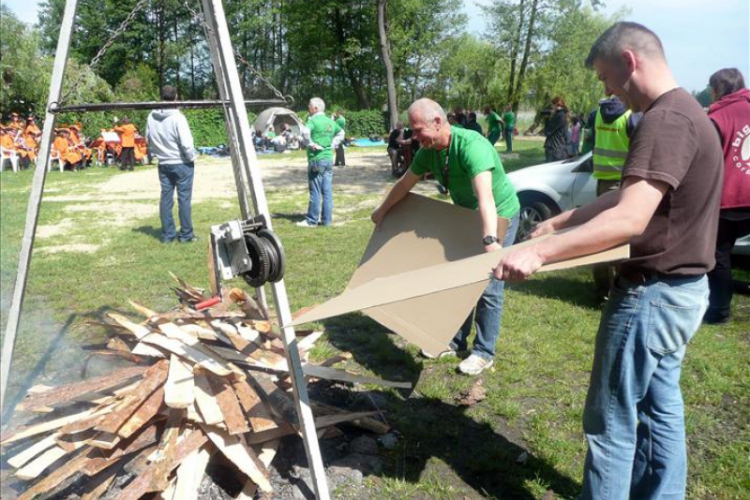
(427, 111)
(626, 36)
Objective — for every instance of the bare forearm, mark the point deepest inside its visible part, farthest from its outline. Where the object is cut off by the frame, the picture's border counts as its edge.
(590, 210)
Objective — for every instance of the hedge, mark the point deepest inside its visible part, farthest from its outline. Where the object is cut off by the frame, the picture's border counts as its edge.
(365, 123)
(208, 127)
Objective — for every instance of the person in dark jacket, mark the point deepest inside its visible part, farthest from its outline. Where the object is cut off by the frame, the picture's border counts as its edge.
(556, 131)
(730, 114)
(473, 125)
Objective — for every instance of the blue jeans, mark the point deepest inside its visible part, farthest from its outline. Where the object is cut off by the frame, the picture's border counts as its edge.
(508, 135)
(320, 183)
(488, 313)
(180, 177)
(634, 416)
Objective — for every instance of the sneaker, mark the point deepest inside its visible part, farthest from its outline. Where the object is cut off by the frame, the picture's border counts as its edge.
(305, 223)
(192, 239)
(444, 354)
(474, 365)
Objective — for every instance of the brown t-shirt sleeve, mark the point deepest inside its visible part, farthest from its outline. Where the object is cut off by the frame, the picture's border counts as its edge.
(663, 148)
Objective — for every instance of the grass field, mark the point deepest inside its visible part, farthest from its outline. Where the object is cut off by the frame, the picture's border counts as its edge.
(522, 442)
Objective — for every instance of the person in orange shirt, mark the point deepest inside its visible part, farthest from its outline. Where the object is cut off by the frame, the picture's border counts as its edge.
(69, 154)
(27, 143)
(6, 141)
(78, 142)
(15, 122)
(127, 141)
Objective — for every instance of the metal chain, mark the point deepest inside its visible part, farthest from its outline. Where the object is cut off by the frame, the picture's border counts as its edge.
(199, 17)
(123, 26)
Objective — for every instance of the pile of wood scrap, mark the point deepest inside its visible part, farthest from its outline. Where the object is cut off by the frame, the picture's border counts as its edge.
(207, 382)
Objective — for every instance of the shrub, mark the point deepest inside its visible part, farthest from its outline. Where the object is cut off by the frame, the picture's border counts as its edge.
(208, 127)
(365, 123)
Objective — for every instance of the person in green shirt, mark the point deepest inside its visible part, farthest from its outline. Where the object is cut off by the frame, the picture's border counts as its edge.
(468, 166)
(493, 125)
(509, 127)
(338, 117)
(323, 136)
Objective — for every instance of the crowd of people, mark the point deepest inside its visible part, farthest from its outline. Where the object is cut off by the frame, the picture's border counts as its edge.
(121, 144)
(673, 183)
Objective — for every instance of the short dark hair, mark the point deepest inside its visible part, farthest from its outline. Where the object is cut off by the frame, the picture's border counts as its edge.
(726, 81)
(168, 93)
(473, 116)
(622, 36)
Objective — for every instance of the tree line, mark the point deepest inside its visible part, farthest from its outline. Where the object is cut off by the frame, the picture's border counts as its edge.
(532, 50)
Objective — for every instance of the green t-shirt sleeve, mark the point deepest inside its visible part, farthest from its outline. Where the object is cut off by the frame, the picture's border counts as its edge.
(477, 156)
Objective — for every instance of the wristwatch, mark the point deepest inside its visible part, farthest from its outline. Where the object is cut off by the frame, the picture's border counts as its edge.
(489, 240)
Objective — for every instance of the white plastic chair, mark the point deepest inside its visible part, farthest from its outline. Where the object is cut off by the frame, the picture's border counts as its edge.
(11, 155)
(54, 155)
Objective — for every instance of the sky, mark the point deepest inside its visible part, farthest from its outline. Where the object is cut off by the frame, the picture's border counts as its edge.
(699, 36)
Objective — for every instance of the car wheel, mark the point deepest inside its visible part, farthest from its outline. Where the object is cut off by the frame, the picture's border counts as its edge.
(529, 217)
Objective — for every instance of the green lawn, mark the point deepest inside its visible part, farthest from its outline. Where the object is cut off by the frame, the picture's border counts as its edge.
(535, 392)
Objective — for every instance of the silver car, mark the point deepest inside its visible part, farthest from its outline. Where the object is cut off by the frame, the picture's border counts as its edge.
(552, 188)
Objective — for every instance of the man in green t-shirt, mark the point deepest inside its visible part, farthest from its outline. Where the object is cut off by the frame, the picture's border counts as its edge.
(338, 117)
(509, 127)
(323, 136)
(468, 166)
(494, 128)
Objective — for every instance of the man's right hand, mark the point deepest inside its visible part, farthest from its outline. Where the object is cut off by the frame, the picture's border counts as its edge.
(377, 216)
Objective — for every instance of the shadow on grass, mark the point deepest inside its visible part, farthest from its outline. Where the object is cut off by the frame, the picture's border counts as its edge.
(576, 292)
(154, 232)
(296, 217)
(432, 429)
(488, 462)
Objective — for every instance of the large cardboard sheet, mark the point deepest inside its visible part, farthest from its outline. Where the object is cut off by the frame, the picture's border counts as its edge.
(424, 270)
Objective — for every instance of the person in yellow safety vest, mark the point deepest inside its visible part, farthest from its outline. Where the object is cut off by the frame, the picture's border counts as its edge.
(613, 127)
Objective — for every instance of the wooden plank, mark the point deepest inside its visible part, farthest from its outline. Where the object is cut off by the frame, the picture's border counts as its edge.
(199, 331)
(143, 440)
(143, 414)
(190, 474)
(72, 442)
(259, 417)
(105, 440)
(257, 358)
(26, 432)
(179, 388)
(139, 331)
(342, 356)
(308, 342)
(241, 455)
(153, 378)
(165, 453)
(143, 310)
(206, 402)
(40, 463)
(198, 355)
(280, 401)
(143, 349)
(99, 485)
(17, 461)
(55, 478)
(143, 482)
(69, 393)
(344, 376)
(230, 407)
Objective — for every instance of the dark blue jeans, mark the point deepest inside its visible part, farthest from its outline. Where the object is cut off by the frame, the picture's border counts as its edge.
(489, 311)
(179, 177)
(320, 182)
(634, 418)
(508, 135)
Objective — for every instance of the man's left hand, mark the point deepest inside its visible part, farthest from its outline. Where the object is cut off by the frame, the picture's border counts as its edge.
(519, 265)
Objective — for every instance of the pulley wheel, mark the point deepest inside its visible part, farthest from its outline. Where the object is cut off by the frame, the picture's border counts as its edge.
(261, 263)
(276, 254)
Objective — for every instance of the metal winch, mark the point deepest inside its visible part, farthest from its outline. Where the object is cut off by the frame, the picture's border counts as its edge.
(249, 249)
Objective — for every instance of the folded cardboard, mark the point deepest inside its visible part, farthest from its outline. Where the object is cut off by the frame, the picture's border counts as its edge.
(424, 269)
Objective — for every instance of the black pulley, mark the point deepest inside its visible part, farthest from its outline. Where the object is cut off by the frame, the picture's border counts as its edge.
(260, 267)
(276, 254)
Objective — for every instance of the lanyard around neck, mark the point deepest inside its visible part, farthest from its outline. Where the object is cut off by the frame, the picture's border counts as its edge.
(446, 167)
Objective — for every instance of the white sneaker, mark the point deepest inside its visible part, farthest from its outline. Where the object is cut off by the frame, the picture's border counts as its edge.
(444, 354)
(474, 365)
(304, 223)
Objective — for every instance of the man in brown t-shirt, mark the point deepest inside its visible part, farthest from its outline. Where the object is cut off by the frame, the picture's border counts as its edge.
(667, 209)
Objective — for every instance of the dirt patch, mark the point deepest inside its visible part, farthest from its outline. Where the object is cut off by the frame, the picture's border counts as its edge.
(75, 247)
(126, 198)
